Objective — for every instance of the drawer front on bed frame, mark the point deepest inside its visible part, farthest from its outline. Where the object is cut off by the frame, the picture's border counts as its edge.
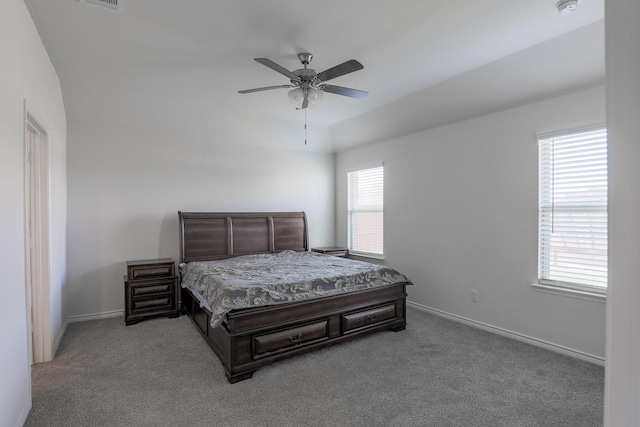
(279, 341)
(367, 318)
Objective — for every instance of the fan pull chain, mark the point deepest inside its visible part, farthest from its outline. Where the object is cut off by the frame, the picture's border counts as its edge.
(305, 126)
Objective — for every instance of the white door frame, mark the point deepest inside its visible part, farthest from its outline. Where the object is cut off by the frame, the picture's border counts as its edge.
(37, 232)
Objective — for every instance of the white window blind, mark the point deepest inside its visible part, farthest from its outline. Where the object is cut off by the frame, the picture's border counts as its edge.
(365, 211)
(573, 210)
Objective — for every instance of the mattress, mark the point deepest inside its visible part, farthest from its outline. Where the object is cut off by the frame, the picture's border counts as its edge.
(277, 278)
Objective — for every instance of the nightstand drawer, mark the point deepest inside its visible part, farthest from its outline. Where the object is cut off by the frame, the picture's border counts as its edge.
(150, 287)
(337, 251)
(151, 304)
(138, 291)
(147, 269)
(150, 297)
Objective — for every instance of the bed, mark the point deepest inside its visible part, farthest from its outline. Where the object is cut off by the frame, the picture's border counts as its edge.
(247, 336)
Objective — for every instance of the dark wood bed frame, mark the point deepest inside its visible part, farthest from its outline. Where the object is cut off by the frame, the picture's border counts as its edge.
(250, 338)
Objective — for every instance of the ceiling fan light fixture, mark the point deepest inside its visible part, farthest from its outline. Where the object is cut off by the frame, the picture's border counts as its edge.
(296, 97)
(315, 97)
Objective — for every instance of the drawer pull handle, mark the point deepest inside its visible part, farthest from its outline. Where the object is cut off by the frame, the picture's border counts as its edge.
(296, 338)
(371, 317)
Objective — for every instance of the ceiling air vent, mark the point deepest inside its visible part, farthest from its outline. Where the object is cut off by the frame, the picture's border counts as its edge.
(113, 5)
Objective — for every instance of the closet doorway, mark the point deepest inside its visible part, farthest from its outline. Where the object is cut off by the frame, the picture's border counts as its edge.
(37, 238)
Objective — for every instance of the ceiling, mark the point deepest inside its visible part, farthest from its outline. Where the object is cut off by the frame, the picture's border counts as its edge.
(176, 66)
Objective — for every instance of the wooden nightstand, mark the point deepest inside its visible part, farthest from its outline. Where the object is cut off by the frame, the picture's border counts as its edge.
(150, 289)
(338, 251)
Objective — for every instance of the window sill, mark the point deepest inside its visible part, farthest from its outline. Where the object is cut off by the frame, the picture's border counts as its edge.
(568, 292)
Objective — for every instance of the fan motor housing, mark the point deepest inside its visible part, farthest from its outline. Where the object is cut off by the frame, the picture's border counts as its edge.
(306, 75)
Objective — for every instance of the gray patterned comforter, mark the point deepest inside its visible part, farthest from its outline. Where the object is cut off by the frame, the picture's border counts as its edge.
(267, 279)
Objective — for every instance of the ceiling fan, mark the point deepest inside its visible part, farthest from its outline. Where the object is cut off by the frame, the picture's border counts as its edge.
(309, 84)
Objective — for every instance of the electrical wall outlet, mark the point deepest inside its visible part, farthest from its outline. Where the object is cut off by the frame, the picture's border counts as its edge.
(474, 295)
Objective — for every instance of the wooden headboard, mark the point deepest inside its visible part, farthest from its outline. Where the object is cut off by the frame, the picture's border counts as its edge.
(206, 236)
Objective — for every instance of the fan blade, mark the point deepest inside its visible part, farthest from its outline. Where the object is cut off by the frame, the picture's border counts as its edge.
(260, 89)
(279, 68)
(340, 70)
(339, 90)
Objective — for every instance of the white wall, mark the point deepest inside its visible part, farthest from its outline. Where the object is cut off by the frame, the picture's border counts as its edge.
(26, 72)
(622, 389)
(461, 213)
(126, 187)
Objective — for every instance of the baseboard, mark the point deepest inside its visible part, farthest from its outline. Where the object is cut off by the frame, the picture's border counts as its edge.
(24, 414)
(95, 316)
(56, 344)
(513, 335)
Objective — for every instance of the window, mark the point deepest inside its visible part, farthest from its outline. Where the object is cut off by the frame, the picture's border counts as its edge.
(572, 223)
(365, 211)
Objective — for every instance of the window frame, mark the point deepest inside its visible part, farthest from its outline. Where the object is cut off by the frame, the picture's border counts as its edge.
(351, 211)
(546, 283)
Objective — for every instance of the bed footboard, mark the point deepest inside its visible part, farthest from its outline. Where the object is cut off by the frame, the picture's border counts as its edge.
(251, 338)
